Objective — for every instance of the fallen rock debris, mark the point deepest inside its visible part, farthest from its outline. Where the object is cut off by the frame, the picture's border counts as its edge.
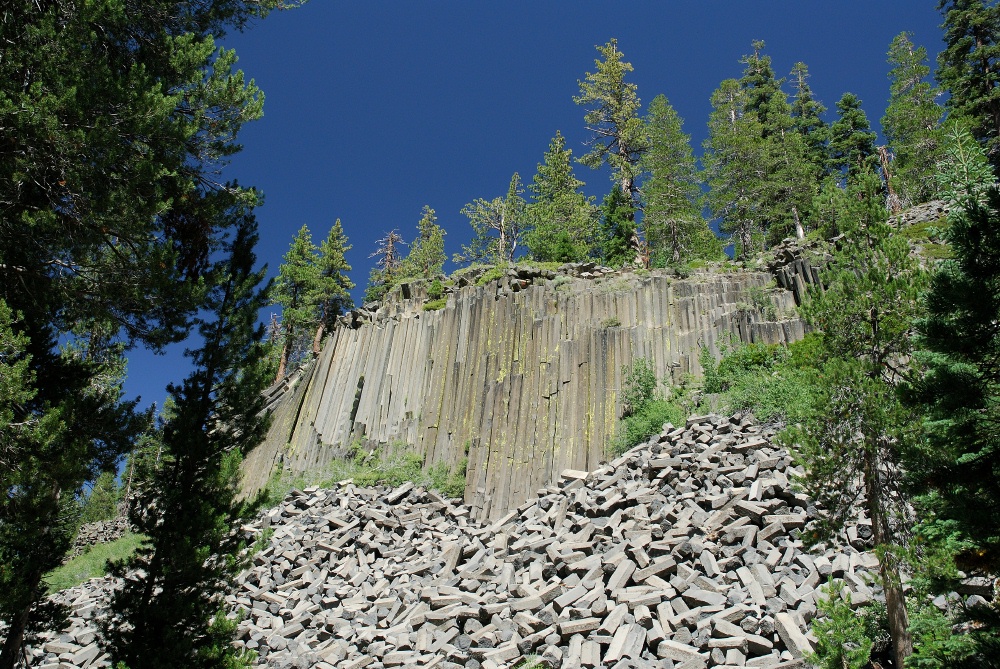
(683, 553)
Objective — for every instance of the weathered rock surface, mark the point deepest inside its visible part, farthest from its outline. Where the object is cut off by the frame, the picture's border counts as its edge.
(682, 553)
(522, 375)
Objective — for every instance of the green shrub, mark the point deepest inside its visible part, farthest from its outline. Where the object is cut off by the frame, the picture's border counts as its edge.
(449, 480)
(560, 281)
(436, 290)
(639, 384)
(646, 408)
(647, 421)
(773, 382)
(611, 322)
(373, 468)
(840, 633)
(435, 305)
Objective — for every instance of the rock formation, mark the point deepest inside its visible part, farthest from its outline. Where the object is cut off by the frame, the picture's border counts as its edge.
(521, 375)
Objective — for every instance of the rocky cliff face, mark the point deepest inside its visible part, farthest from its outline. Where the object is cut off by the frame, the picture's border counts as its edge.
(522, 376)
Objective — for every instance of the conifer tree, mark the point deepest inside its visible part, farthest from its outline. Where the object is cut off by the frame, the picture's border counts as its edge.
(294, 290)
(426, 257)
(807, 114)
(851, 447)
(735, 164)
(386, 270)
(561, 219)
(968, 68)
(613, 118)
(101, 502)
(617, 229)
(852, 142)
(162, 616)
(671, 193)
(789, 177)
(497, 224)
(912, 123)
(332, 292)
(118, 243)
(957, 468)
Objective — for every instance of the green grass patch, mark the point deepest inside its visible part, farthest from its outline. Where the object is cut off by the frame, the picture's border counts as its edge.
(435, 305)
(492, 274)
(372, 469)
(936, 251)
(92, 563)
(926, 230)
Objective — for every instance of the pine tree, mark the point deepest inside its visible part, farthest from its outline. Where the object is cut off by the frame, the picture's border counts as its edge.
(852, 142)
(613, 117)
(911, 123)
(497, 225)
(735, 162)
(789, 177)
(119, 243)
(851, 447)
(162, 616)
(957, 468)
(295, 291)
(807, 114)
(426, 257)
(617, 229)
(561, 219)
(332, 292)
(671, 193)
(101, 502)
(968, 68)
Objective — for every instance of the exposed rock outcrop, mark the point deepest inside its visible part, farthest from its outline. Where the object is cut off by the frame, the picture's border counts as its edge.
(522, 375)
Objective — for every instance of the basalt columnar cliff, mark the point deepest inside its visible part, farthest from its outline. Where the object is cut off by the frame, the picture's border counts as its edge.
(522, 375)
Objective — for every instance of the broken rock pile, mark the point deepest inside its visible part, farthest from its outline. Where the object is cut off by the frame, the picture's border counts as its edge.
(683, 552)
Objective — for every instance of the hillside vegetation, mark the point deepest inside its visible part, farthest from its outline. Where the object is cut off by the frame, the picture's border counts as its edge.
(118, 231)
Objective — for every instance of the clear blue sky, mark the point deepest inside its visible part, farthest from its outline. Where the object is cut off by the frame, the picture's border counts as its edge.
(374, 109)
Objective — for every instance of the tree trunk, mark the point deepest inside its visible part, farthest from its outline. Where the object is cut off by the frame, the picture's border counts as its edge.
(895, 603)
(799, 232)
(317, 340)
(15, 637)
(282, 364)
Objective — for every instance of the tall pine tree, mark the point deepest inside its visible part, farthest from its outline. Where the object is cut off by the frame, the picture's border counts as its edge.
(118, 242)
(851, 447)
(613, 119)
(957, 468)
(498, 226)
(912, 123)
(735, 162)
(852, 142)
(807, 114)
(426, 257)
(294, 290)
(162, 616)
(671, 193)
(332, 292)
(969, 68)
(562, 221)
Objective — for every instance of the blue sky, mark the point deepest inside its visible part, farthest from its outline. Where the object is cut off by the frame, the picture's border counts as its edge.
(375, 109)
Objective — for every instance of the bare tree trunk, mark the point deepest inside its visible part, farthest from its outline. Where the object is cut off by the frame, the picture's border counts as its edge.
(317, 340)
(799, 232)
(282, 364)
